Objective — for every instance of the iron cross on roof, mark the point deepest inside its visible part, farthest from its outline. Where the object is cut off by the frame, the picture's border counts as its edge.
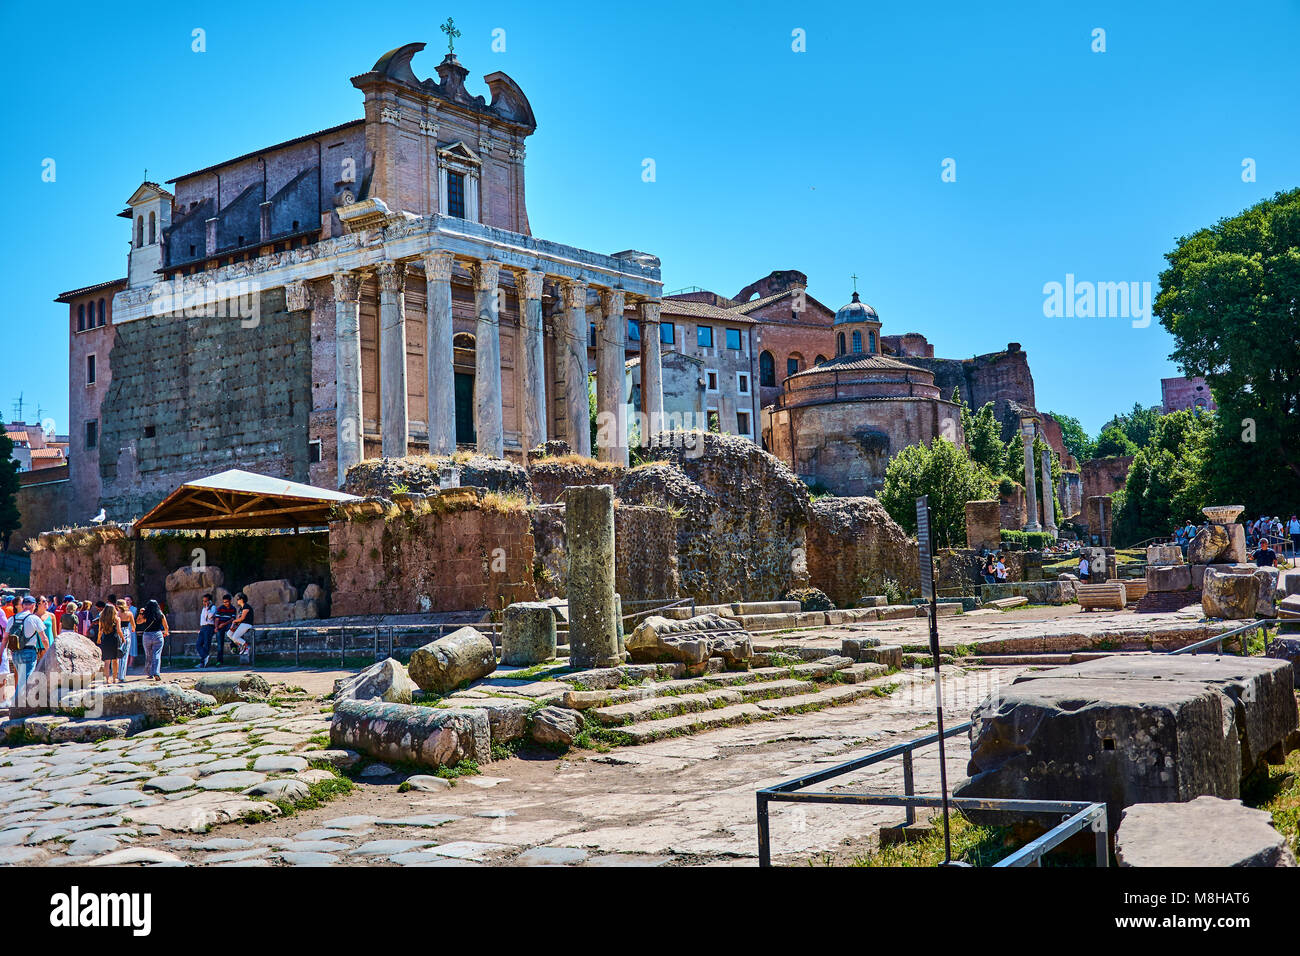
(854, 277)
(449, 28)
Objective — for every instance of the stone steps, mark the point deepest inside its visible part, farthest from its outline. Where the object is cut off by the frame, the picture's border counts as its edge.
(736, 609)
(670, 705)
(689, 723)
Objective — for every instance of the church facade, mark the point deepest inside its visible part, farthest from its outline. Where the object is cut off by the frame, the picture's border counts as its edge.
(372, 288)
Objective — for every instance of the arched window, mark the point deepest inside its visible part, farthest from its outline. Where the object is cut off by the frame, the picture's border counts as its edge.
(857, 341)
(81, 317)
(793, 364)
(766, 370)
(101, 312)
(871, 342)
(820, 359)
(153, 228)
(839, 346)
(139, 231)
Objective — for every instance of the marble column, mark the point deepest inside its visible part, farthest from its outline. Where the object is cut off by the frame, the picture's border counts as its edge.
(611, 378)
(573, 357)
(440, 379)
(1049, 505)
(652, 371)
(589, 586)
(347, 371)
(393, 425)
(532, 354)
(1031, 485)
(487, 361)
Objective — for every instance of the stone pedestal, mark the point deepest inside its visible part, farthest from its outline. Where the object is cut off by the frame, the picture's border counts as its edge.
(593, 613)
(528, 634)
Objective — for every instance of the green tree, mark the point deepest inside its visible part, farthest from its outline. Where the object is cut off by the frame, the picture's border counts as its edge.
(984, 438)
(1229, 298)
(1077, 442)
(1113, 442)
(1168, 481)
(1138, 425)
(947, 474)
(10, 519)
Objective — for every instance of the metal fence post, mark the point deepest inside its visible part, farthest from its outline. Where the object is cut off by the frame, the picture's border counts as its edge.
(764, 835)
(296, 653)
(908, 785)
(343, 638)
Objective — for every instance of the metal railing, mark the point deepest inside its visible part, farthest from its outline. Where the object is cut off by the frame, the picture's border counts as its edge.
(1237, 632)
(1079, 815)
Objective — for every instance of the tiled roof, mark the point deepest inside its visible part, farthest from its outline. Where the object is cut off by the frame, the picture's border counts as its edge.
(47, 452)
(854, 363)
(76, 293)
(702, 310)
(18, 436)
(745, 308)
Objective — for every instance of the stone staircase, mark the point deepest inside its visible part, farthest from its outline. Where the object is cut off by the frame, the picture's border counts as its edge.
(779, 615)
(669, 708)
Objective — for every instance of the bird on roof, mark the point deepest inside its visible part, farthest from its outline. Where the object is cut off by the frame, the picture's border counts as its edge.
(99, 518)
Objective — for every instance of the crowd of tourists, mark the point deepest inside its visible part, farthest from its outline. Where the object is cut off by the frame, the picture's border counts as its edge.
(122, 631)
(1269, 539)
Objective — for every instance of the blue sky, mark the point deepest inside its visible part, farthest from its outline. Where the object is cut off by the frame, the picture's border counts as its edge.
(827, 161)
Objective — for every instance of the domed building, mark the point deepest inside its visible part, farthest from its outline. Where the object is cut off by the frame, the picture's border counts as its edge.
(839, 423)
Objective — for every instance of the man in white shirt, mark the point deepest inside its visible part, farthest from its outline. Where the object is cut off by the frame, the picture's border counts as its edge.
(207, 628)
(1085, 569)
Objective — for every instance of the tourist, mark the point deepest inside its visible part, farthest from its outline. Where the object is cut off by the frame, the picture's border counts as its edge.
(31, 638)
(1085, 569)
(1000, 570)
(7, 665)
(68, 616)
(241, 628)
(223, 618)
(1293, 530)
(47, 621)
(990, 572)
(1265, 557)
(109, 631)
(130, 637)
(151, 622)
(207, 627)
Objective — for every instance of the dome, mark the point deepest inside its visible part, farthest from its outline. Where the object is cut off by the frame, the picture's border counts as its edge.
(856, 311)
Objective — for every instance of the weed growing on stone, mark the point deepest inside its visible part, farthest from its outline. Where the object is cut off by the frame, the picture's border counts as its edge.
(1278, 792)
(979, 846)
(465, 768)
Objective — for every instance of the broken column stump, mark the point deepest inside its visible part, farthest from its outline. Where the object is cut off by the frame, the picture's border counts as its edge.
(593, 611)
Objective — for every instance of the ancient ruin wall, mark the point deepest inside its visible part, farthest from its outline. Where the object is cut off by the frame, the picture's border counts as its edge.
(853, 546)
(645, 552)
(550, 476)
(742, 514)
(80, 562)
(457, 551)
(1104, 476)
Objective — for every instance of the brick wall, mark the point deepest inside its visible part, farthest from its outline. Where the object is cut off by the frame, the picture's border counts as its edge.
(44, 503)
(1104, 476)
(459, 556)
(195, 396)
(853, 546)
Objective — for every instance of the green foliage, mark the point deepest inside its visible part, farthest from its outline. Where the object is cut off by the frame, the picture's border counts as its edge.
(1077, 442)
(946, 473)
(1030, 540)
(1113, 442)
(984, 438)
(10, 519)
(1229, 300)
(1168, 481)
(1138, 426)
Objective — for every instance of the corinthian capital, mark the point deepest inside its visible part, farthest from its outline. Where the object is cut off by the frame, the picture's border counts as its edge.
(392, 277)
(611, 302)
(486, 275)
(530, 283)
(437, 266)
(575, 294)
(347, 286)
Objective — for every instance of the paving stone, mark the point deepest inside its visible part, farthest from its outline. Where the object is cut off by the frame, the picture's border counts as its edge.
(231, 780)
(15, 855)
(428, 859)
(235, 855)
(550, 856)
(627, 859)
(216, 844)
(468, 849)
(91, 844)
(331, 833)
(279, 764)
(281, 788)
(169, 784)
(428, 782)
(389, 847)
(417, 821)
(495, 814)
(185, 760)
(223, 765)
(137, 854)
(252, 711)
(114, 798)
(484, 783)
(378, 770)
(346, 823)
(316, 846)
(307, 858)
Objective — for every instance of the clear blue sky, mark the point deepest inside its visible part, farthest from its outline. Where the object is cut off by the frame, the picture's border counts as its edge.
(827, 161)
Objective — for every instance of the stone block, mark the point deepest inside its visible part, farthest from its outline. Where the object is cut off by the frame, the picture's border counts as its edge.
(1176, 577)
(1287, 649)
(402, 733)
(443, 665)
(852, 647)
(1161, 555)
(1267, 578)
(555, 726)
(159, 703)
(890, 655)
(527, 634)
(1207, 831)
(1229, 596)
(228, 688)
(691, 642)
(385, 680)
(1289, 582)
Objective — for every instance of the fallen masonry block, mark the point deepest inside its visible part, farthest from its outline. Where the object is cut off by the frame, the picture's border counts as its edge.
(443, 665)
(56, 728)
(507, 719)
(1176, 577)
(1111, 595)
(889, 655)
(386, 680)
(427, 736)
(852, 647)
(1003, 604)
(898, 612)
(228, 688)
(691, 642)
(528, 634)
(1207, 831)
(157, 703)
(1230, 596)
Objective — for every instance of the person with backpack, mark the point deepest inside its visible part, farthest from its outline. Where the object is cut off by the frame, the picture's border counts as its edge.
(151, 623)
(27, 639)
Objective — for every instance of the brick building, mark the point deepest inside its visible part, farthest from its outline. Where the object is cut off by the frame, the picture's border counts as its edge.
(1186, 393)
(371, 288)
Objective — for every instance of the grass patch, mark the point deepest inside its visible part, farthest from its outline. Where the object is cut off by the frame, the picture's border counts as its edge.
(466, 768)
(978, 846)
(1278, 792)
(320, 740)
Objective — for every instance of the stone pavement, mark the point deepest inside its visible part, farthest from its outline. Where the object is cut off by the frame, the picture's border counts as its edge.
(172, 796)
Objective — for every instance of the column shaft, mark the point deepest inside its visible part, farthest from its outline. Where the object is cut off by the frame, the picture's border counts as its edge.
(611, 378)
(1049, 503)
(573, 355)
(347, 372)
(532, 353)
(394, 425)
(440, 386)
(1031, 485)
(652, 373)
(487, 362)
